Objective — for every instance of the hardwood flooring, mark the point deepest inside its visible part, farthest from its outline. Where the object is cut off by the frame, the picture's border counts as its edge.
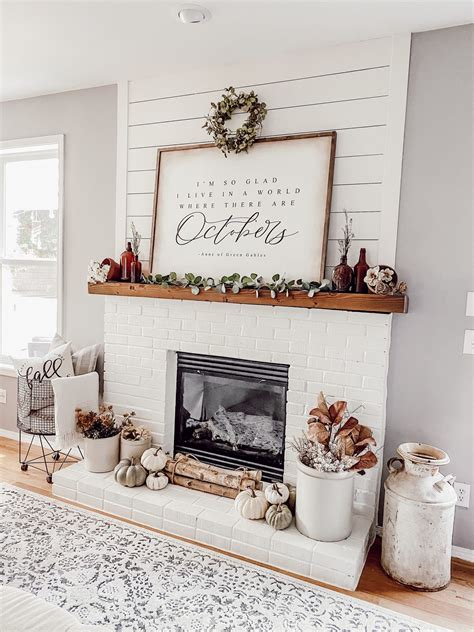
(452, 608)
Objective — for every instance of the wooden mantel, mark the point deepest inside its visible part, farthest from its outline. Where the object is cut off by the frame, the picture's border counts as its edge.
(395, 304)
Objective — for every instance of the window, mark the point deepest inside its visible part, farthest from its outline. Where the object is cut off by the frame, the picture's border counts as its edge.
(30, 245)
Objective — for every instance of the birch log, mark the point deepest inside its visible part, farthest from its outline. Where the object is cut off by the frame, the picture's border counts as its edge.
(188, 467)
(204, 486)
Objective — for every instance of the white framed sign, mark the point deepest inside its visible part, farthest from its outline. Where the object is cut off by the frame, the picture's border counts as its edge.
(266, 211)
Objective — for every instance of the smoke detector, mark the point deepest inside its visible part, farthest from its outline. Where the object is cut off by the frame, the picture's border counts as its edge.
(193, 14)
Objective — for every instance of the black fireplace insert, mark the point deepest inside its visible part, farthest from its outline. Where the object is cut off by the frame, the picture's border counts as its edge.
(232, 412)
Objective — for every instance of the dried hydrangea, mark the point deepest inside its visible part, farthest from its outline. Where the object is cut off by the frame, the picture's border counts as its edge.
(97, 272)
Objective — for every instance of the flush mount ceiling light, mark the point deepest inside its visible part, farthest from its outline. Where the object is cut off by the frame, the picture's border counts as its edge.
(193, 14)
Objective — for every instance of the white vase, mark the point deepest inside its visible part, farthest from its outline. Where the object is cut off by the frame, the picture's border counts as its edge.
(324, 503)
(101, 455)
(133, 449)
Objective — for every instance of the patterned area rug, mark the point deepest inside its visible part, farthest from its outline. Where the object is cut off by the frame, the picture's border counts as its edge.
(108, 572)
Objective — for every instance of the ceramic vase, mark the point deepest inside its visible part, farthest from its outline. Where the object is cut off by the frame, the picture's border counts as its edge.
(134, 449)
(324, 503)
(342, 276)
(101, 455)
(418, 518)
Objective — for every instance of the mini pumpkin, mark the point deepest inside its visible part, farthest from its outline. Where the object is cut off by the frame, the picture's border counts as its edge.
(130, 473)
(292, 498)
(156, 480)
(154, 459)
(277, 493)
(251, 504)
(278, 516)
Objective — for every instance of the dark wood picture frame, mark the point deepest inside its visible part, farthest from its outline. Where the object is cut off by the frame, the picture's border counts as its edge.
(271, 139)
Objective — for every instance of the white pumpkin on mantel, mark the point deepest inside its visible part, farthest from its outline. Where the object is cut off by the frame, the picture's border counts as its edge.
(251, 504)
(154, 459)
(277, 493)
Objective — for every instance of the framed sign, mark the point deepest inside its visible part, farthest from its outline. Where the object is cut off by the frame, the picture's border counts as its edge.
(266, 211)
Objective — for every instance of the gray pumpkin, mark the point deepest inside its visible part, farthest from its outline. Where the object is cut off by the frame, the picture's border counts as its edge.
(279, 517)
(130, 473)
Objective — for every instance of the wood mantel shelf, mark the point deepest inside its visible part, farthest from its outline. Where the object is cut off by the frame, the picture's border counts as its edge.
(394, 304)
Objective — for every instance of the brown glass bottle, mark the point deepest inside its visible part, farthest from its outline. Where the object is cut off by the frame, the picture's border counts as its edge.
(126, 259)
(136, 270)
(360, 270)
(342, 276)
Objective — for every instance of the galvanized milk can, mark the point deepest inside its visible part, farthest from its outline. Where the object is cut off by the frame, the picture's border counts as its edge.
(418, 518)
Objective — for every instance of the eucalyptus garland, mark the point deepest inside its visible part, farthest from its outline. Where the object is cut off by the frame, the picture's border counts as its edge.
(221, 112)
(235, 282)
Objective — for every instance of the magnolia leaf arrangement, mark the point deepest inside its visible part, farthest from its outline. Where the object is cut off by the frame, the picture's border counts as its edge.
(244, 136)
(335, 441)
(236, 282)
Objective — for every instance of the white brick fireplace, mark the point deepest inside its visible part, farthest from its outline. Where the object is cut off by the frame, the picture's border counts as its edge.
(344, 354)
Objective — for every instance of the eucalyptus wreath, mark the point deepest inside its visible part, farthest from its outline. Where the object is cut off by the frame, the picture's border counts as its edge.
(221, 112)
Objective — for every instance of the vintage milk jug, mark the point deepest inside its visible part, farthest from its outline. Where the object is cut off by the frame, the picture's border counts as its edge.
(418, 518)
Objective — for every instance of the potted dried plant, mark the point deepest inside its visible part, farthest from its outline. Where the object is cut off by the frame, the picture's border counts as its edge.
(342, 274)
(101, 433)
(134, 439)
(334, 448)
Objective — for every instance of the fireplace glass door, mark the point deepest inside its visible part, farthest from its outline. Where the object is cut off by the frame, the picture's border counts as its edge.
(232, 412)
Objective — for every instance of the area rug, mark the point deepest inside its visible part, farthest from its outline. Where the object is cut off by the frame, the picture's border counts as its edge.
(109, 572)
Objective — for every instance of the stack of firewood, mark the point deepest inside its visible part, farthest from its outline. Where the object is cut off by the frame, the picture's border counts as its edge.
(187, 471)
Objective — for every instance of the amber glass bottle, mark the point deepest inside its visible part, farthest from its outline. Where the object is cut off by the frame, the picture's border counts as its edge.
(360, 270)
(136, 270)
(126, 259)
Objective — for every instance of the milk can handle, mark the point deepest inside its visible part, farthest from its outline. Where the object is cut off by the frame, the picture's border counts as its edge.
(449, 479)
(393, 469)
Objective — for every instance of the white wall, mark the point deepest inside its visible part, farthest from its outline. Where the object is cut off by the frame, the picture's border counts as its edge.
(88, 120)
(357, 89)
(431, 382)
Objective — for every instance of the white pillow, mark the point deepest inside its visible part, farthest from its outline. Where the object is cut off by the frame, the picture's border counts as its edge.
(70, 393)
(84, 361)
(57, 363)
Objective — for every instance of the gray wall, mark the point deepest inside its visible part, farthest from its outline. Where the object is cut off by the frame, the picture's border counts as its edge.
(430, 385)
(88, 119)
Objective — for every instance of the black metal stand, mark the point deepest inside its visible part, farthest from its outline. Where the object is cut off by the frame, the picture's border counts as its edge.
(56, 458)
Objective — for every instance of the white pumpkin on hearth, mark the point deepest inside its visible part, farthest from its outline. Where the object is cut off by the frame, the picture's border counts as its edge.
(277, 493)
(251, 504)
(154, 459)
(156, 480)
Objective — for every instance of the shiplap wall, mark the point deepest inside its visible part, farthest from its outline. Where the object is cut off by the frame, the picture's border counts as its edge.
(356, 89)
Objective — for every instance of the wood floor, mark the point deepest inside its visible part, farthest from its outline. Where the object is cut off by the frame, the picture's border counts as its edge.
(452, 608)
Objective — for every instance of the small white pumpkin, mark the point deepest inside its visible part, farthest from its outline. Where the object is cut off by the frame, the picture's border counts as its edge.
(278, 516)
(292, 498)
(156, 480)
(251, 504)
(277, 493)
(154, 459)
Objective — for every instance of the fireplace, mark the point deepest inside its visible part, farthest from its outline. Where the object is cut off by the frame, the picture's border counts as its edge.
(232, 412)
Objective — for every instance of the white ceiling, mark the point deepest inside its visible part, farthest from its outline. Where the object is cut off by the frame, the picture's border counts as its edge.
(55, 46)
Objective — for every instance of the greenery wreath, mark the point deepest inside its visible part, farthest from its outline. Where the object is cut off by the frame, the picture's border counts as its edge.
(221, 112)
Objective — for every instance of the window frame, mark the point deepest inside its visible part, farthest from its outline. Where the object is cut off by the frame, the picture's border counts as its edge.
(7, 148)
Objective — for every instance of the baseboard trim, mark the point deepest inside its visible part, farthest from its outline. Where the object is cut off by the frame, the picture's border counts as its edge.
(457, 552)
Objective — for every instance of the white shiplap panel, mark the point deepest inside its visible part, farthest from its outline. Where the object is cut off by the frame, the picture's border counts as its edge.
(329, 60)
(364, 225)
(330, 88)
(357, 197)
(360, 169)
(350, 142)
(140, 204)
(329, 116)
(142, 225)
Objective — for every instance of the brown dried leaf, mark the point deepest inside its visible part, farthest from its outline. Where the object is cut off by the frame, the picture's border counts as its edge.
(336, 411)
(322, 404)
(318, 432)
(364, 432)
(366, 461)
(319, 414)
(347, 428)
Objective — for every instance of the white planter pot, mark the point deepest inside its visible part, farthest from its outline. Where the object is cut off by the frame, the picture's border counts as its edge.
(324, 503)
(101, 455)
(133, 449)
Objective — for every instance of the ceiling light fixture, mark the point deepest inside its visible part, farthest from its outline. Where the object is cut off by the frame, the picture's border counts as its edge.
(193, 14)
